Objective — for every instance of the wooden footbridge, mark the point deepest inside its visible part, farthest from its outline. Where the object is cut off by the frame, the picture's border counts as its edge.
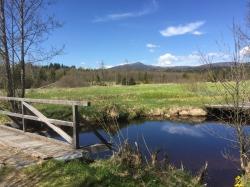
(229, 111)
(41, 146)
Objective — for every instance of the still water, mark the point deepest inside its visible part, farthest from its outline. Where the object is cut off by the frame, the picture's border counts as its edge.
(190, 144)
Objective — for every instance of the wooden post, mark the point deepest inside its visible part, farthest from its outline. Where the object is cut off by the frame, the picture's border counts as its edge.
(23, 119)
(76, 122)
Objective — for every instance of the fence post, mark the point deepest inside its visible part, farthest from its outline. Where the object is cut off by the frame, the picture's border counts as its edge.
(76, 123)
(23, 119)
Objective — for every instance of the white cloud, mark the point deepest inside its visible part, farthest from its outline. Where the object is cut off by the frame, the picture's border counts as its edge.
(192, 59)
(198, 33)
(151, 47)
(182, 130)
(108, 66)
(190, 28)
(169, 59)
(119, 16)
(245, 52)
(166, 59)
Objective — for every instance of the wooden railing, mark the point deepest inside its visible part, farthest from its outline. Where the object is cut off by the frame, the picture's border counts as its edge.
(52, 123)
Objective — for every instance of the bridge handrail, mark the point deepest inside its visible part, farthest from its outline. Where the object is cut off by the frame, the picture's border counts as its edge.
(52, 123)
(47, 101)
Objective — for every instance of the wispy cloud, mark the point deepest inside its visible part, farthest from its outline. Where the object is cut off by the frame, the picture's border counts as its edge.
(189, 28)
(151, 47)
(152, 7)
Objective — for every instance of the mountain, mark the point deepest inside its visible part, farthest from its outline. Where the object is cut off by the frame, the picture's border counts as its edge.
(143, 67)
(133, 66)
(217, 65)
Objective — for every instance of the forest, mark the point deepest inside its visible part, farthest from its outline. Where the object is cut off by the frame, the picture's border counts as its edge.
(59, 75)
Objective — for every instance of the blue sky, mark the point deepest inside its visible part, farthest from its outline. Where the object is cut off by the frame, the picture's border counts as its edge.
(158, 32)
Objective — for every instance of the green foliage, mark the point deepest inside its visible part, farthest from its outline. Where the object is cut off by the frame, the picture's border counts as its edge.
(4, 171)
(124, 81)
(146, 79)
(101, 173)
(131, 81)
(118, 79)
(3, 119)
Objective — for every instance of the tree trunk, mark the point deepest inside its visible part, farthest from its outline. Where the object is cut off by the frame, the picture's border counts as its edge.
(4, 50)
(22, 63)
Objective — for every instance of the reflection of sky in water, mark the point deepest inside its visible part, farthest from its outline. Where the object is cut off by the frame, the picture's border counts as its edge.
(186, 143)
(183, 130)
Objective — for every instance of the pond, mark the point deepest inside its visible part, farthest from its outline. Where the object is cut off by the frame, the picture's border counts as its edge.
(190, 144)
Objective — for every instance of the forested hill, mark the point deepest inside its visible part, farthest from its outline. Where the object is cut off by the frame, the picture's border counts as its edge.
(140, 66)
(59, 75)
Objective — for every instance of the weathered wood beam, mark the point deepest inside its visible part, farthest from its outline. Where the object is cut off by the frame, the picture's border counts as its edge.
(45, 120)
(47, 101)
(76, 124)
(34, 118)
(228, 106)
(96, 148)
(102, 139)
(23, 119)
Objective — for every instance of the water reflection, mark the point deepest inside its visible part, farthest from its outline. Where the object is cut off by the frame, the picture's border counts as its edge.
(190, 144)
(183, 130)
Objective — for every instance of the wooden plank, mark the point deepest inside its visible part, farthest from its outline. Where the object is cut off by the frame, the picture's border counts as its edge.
(35, 145)
(34, 118)
(76, 124)
(228, 106)
(42, 147)
(23, 119)
(34, 136)
(96, 148)
(46, 121)
(100, 137)
(47, 101)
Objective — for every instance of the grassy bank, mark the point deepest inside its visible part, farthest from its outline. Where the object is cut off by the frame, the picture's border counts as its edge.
(99, 173)
(129, 102)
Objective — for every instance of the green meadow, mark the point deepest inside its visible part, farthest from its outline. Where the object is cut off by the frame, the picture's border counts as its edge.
(129, 102)
(145, 95)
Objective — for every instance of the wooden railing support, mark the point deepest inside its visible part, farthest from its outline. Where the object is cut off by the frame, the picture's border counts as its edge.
(45, 120)
(76, 125)
(23, 118)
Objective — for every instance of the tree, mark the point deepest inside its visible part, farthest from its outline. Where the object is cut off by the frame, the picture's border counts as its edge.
(131, 81)
(145, 79)
(4, 51)
(234, 93)
(98, 79)
(119, 79)
(23, 28)
(102, 67)
(124, 81)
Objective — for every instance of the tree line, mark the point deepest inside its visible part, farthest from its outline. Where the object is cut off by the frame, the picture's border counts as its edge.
(69, 76)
